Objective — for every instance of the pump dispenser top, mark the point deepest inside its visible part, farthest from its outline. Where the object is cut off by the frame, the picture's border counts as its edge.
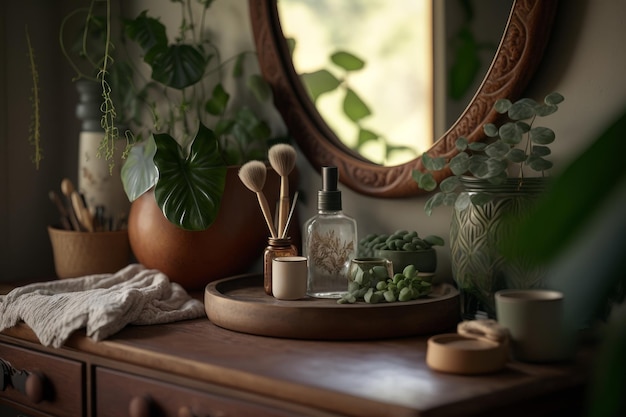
(329, 197)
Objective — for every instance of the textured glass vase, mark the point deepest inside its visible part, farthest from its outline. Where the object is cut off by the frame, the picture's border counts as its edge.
(478, 267)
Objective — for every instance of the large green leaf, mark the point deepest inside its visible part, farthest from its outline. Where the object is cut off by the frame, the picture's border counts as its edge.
(139, 173)
(178, 66)
(190, 188)
(147, 31)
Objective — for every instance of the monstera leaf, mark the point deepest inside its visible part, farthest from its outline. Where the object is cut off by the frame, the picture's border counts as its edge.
(190, 187)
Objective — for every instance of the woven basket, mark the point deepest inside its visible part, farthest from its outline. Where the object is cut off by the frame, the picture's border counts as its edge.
(82, 253)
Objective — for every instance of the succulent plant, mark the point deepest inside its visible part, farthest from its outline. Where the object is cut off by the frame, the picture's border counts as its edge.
(400, 240)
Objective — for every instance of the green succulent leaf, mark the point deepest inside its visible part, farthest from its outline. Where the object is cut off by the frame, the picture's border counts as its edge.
(139, 173)
(434, 240)
(347, 61)
(542, 135)
(354, 107)
(319, 82)
(190, 188)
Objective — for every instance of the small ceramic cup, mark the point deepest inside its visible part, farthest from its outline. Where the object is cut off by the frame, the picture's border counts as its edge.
(536, 325)
(289, 274)
(363, 270)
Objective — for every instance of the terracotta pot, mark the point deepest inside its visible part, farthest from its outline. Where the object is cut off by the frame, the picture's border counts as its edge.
(230, 246)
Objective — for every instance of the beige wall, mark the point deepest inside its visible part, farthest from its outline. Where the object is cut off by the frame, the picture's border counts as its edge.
(585, 61)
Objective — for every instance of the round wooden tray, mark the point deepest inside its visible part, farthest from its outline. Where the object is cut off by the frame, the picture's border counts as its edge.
(240, 304)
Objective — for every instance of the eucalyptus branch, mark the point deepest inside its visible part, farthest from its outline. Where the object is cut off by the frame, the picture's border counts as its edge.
(34, 131)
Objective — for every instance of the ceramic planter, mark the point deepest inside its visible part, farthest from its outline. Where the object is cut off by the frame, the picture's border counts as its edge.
(424, 260)
(478, 267)
(230, 246)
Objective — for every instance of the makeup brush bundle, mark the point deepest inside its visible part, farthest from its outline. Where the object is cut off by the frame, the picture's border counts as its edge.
(76, 215)
(282, 158)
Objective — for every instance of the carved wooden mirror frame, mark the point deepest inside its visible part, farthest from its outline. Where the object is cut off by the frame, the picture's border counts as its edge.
(519, 53)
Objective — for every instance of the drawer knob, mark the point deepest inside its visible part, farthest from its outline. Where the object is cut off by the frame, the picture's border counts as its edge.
(35, 387)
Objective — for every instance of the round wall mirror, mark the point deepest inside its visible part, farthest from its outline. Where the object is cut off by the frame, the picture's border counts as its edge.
(516, 59)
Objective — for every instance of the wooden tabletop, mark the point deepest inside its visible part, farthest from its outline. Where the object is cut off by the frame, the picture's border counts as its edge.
(356, 378)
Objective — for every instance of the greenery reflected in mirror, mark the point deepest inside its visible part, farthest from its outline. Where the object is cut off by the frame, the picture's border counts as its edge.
(518, 56)
(368, 66)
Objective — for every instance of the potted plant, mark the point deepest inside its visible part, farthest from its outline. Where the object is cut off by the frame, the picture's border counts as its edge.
(490, 181)
(183, 162)
(403, 248)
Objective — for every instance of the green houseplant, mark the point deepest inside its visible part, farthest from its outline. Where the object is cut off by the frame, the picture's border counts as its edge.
(403, 248)
(188, 135)
(491, 181)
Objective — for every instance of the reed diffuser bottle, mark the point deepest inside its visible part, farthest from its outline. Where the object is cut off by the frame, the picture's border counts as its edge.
(329, 241)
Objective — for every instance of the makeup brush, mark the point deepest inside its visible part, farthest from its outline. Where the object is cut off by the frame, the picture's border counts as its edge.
(253, 174)
(293, 206)
(282, 158)
(67, 188)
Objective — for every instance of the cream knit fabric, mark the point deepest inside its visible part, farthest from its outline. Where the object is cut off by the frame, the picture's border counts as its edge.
(103, 303)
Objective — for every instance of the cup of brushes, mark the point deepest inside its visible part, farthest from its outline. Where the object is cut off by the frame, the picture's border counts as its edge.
(282, 158)
(85, 241)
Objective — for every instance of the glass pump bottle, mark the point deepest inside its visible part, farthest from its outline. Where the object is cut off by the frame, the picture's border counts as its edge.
(329, 241)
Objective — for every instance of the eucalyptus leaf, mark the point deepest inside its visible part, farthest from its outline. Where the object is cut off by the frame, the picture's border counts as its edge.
(542, 135)
(554, 98)
(425, 181)
(490, 130)
(450, 184)
(480, 199)
(433, 164)
(510, 133)
(460, 164)
(538, 163)
(516, 155)
(497, 150)
(139, 174)
(522, 109)
(449, 199)
(544, 110)
(461, 143)
(477, 146)
(190, 187)
(434, 201)
(502, 105)
(462, 201)
(539, 150)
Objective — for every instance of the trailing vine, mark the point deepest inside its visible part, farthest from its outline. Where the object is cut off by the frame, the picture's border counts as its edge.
(34, 130)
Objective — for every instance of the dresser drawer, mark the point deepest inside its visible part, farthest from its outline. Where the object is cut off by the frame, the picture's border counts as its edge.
(55, 384)
(121, 394)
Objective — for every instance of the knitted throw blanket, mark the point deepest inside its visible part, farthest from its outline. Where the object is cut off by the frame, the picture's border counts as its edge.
(102, 303)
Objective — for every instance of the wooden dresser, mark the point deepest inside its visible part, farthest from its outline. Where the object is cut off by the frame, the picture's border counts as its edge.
(195, 368)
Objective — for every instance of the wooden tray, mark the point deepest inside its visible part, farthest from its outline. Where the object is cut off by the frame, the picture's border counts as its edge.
(239, 303)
